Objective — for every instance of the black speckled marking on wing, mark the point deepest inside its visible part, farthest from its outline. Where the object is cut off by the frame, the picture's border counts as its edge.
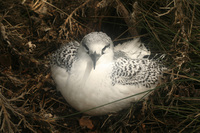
(65, 56)
(136, 72)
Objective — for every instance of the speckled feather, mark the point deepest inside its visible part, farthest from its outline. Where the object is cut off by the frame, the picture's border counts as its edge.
(66, 55)
(136, 71)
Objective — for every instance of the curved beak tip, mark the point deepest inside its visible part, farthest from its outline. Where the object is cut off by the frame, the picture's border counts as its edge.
(94, 58)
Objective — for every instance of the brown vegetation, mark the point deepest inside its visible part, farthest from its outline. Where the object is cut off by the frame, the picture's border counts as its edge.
(31, 30)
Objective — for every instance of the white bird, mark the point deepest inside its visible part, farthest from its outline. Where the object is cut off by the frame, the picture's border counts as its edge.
(94, 73)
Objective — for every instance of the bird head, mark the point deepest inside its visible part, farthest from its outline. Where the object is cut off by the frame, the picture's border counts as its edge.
(98, 46)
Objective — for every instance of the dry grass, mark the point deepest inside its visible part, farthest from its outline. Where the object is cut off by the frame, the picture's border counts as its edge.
(32, 30)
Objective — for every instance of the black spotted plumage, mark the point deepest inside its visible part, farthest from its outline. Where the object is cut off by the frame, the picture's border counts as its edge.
(145, 72)
(66, 55)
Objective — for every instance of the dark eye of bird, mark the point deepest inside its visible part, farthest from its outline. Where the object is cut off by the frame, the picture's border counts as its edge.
(86, 48)
(103, 50)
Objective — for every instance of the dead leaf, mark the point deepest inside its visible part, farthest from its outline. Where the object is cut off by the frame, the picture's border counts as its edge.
(86, 122)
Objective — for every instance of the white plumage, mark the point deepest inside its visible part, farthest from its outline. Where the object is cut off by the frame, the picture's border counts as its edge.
(94, 73)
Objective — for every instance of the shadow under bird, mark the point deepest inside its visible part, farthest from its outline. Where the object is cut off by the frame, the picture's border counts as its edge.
(94, 73)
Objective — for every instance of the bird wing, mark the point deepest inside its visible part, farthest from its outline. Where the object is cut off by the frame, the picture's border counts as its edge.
(128, 71)
(66, 55)
(133, 49)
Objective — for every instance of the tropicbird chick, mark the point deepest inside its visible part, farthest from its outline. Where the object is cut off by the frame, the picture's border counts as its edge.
(94, 73)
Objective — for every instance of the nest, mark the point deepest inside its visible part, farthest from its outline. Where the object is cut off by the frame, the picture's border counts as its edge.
(31, 30)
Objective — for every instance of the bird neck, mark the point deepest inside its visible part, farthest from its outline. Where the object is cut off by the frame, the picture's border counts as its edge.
(105, 59)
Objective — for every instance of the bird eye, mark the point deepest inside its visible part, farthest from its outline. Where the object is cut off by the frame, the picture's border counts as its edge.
(103, 50)
(87, 49)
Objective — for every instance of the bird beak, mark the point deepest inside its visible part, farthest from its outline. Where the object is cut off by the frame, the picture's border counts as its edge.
(94, 56)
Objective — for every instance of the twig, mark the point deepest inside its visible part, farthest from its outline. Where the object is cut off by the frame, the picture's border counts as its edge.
(124, 12)
(68, 20)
